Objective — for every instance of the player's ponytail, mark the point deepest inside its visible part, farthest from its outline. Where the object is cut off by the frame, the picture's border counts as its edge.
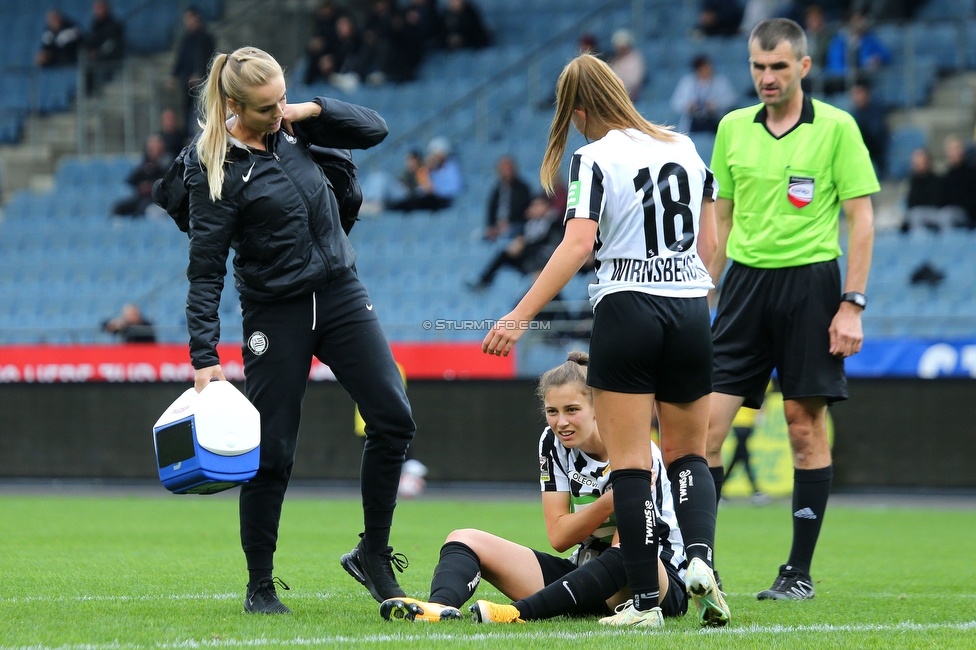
(230, 79)
(566, 91)
(572, 371)
(589, 84)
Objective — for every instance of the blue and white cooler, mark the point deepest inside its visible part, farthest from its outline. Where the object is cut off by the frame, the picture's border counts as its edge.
(209, 441)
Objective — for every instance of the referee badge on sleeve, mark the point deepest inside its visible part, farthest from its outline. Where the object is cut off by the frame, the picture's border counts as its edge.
(800, 191)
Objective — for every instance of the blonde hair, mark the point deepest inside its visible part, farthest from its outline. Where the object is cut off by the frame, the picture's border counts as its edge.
(230, 78)
(571, 371)
(589, 84)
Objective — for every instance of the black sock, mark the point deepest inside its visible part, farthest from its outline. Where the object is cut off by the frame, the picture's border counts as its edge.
(456, 575)
(718, 477)
(636, 524)
(694, 505)
(376, 539)
(255, 576)
(811, 488)
(583, 591)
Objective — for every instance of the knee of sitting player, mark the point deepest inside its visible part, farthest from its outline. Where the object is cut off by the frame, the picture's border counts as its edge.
(470, 537)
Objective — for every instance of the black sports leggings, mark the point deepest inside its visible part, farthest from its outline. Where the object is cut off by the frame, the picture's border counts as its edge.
(338, 325)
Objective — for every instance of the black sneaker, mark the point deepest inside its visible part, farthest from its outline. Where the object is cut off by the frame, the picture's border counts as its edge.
(375, 571)
(790, 584)
(263, 599)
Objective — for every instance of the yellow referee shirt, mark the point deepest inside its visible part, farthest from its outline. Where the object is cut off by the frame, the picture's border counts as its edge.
(787, 190)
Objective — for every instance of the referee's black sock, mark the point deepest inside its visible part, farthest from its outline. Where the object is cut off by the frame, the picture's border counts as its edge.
(695, 505)
(718, 476)
(583, 591)
(637, 526)
(456, 575)
(811, 488)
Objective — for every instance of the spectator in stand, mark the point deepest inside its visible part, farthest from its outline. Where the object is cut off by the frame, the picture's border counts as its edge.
(59, 42)
(756, 11)
(444, 182)
(382, 190)
(819, 35)
(958, 183)
(719, 18)
(702, 97)
(105, 45)
(508, 202)
(925, 197)
(173, 134)
(153, 167)
(346, 52)
(463, 27)
(871, 120)
(193, 53)
(377, 50)
(627, 62)
(409, 38)
(131, 326)
(887, 10)
(429, 22)
(529, 251)
(854, 53)
(319, 62)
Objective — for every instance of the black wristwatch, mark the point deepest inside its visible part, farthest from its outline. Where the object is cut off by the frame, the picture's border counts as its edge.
(855, 297)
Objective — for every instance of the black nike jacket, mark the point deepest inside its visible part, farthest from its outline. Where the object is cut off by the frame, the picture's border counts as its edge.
(279, 214)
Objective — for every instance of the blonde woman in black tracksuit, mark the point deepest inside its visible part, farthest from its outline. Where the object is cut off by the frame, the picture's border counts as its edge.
(254, 187)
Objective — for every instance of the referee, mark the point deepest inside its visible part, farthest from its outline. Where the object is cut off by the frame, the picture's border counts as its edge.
(785, 168)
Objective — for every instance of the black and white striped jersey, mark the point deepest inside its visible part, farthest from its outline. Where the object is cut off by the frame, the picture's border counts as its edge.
(646, 194)
(564, 469)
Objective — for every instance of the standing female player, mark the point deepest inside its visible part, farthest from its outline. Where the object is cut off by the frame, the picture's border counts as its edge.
(645, 196)
(578, 509)
(254, 187)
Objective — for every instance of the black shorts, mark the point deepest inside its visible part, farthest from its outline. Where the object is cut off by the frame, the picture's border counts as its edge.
(643, 343)
(778, 318)
(675, 603)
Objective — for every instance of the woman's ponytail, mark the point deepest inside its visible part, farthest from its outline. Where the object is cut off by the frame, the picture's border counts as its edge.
(212, 145)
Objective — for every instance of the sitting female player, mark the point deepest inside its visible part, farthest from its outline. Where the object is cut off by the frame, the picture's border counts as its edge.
(578, 507)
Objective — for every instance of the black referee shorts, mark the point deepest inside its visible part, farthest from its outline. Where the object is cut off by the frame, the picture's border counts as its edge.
(778, 318)
(642, 343)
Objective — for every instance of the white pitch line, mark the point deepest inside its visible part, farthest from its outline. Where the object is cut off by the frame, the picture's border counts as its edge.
(149, 597)
(373, 639)
(327, 596)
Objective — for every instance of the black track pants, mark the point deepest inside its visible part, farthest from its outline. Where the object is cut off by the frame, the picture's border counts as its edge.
(338, 326)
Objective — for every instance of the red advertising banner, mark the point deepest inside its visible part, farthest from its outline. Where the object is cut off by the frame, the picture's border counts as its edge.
(171, 362)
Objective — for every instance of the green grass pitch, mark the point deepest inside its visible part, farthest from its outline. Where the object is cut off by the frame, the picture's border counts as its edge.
(105, 573)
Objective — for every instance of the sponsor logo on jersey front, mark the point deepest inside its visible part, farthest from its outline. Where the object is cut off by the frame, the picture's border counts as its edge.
(584, 480)
(800, 191)
(290, 138)
(257, 343)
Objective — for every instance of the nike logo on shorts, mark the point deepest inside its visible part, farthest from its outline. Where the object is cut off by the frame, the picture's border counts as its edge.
(369, 306)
